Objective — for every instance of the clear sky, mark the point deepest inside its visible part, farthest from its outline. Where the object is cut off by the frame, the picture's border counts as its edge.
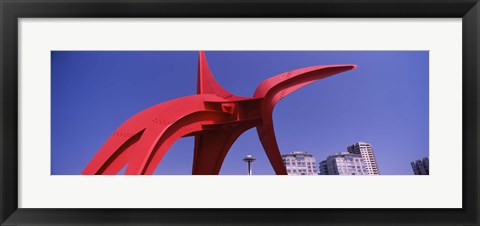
(383, 102)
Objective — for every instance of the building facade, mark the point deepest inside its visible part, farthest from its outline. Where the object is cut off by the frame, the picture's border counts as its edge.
(421, 166)
(366, 151)
(343, 163)
(300, 163)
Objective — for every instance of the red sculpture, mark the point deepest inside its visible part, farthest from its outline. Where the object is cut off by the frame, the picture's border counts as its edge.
(214, 116)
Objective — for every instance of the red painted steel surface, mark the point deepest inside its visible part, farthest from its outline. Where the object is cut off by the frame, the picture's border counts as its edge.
(214, 116)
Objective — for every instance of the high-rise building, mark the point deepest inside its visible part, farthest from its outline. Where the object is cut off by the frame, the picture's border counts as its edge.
(300, 163)
(343, 163)
(421, 166)
(323, 167)
(366, 151)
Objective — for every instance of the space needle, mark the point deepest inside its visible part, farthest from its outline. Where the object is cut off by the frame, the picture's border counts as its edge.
(249, 159)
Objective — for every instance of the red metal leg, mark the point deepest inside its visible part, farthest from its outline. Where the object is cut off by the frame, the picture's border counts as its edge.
(212, 147)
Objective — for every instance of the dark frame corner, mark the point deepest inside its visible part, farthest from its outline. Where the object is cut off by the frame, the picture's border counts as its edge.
(11, 10)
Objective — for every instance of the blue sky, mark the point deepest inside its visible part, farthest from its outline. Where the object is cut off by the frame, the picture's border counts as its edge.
(383, 102)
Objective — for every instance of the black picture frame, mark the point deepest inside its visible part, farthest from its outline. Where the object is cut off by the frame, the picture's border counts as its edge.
(12, 10)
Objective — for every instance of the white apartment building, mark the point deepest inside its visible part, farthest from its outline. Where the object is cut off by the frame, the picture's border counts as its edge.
(300, 163)
(343, 163)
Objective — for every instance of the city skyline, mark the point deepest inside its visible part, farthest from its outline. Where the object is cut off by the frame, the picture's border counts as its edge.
(349, 107)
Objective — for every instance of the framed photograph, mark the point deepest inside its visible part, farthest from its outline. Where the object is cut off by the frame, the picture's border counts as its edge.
(225, 112)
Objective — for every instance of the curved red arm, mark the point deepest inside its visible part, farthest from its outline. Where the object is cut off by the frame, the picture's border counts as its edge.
(141, 142)
(274, 89)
